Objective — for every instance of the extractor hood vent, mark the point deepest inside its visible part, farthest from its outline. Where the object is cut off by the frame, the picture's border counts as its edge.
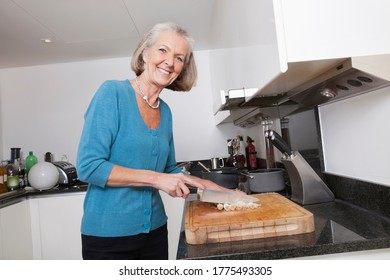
(344, 80)
(341, 79)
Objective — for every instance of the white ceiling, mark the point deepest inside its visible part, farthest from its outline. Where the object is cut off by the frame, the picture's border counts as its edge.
(91, 29)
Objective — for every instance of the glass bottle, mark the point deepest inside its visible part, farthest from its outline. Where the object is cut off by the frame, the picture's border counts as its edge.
(4, 168)
(49, 157)
(31, 160)
(12, 176)
(231, 160)
(21, 172)
(251, 154)
(3, 174)
(15, 153)
(240, 152)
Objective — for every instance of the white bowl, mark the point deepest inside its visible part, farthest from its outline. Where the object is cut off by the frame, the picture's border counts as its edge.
(43, 176)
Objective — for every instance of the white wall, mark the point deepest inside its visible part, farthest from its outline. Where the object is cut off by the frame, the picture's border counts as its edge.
(42, 108)
(1, 128)
(356, 137)
(196, 135)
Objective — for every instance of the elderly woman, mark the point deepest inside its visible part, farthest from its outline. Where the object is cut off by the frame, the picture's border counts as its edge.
(126, 152)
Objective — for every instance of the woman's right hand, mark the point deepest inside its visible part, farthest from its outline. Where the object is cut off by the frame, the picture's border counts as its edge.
(176, 184)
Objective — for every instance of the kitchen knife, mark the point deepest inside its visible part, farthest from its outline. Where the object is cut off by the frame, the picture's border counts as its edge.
(225, 197)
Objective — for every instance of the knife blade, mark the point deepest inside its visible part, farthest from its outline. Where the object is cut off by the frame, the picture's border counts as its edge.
(225, 197)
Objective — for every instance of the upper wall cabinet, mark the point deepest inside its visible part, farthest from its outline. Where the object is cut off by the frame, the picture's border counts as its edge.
(332, 29)
(277, 45)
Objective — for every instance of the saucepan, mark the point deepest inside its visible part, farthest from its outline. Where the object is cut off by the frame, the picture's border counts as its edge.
(227, 177)
(266, 180)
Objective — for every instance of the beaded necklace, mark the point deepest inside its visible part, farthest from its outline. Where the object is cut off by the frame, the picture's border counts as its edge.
(144, 97)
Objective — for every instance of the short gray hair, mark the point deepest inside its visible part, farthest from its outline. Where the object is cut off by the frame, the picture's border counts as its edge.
(187, 78)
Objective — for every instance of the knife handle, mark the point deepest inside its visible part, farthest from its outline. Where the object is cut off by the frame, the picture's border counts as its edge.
(192, 189)
(279, 143)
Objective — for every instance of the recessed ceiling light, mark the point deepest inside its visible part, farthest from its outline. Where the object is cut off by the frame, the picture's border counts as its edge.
(47, 40)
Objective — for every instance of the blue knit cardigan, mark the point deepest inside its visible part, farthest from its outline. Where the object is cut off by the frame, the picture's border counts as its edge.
(114, 133)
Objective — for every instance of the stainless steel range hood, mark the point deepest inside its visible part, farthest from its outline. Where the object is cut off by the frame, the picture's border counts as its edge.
(344, 79)
(352, 77)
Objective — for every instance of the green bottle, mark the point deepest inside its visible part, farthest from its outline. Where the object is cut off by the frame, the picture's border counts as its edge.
(31, 160)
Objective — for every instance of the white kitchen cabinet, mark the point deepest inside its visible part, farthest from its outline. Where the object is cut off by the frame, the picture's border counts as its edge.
(174, 208)
(15, 232)
(47, 227)
(2, 257)
(329, 29)
(245, 53)
(56, 221)
(276, 45)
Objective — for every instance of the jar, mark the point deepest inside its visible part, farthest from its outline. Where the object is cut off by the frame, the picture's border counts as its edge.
(12, 176)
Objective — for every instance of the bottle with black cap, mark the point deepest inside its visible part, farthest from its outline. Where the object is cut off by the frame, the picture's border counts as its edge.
(48, 157)
(15, 154)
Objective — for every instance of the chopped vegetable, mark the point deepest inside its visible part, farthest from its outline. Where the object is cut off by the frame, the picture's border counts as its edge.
(239, 205)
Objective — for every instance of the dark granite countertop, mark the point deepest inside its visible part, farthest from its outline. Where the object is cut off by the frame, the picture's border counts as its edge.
(339, 227)
(357, 220)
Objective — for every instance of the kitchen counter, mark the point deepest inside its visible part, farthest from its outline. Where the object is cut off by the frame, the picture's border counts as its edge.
(357, 220)
(340, 226)
(14, 196)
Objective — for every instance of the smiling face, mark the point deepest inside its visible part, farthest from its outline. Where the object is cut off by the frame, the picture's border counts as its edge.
(165, 60)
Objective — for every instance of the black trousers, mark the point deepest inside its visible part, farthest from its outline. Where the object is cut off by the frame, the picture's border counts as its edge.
(144, 246)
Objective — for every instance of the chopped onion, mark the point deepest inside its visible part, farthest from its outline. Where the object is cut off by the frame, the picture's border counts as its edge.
(239, 205)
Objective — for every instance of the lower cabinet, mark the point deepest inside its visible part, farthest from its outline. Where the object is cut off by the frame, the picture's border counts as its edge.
(55, 226)
(47, 227)
(15, 232)
(174, 208)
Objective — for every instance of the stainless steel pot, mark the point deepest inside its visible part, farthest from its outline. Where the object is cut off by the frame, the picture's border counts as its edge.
(225, 177)
(266, 180)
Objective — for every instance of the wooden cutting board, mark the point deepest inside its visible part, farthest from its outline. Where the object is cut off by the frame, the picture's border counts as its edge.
(277, 216)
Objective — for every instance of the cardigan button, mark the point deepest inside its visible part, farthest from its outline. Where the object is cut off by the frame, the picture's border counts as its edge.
(146, 225)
